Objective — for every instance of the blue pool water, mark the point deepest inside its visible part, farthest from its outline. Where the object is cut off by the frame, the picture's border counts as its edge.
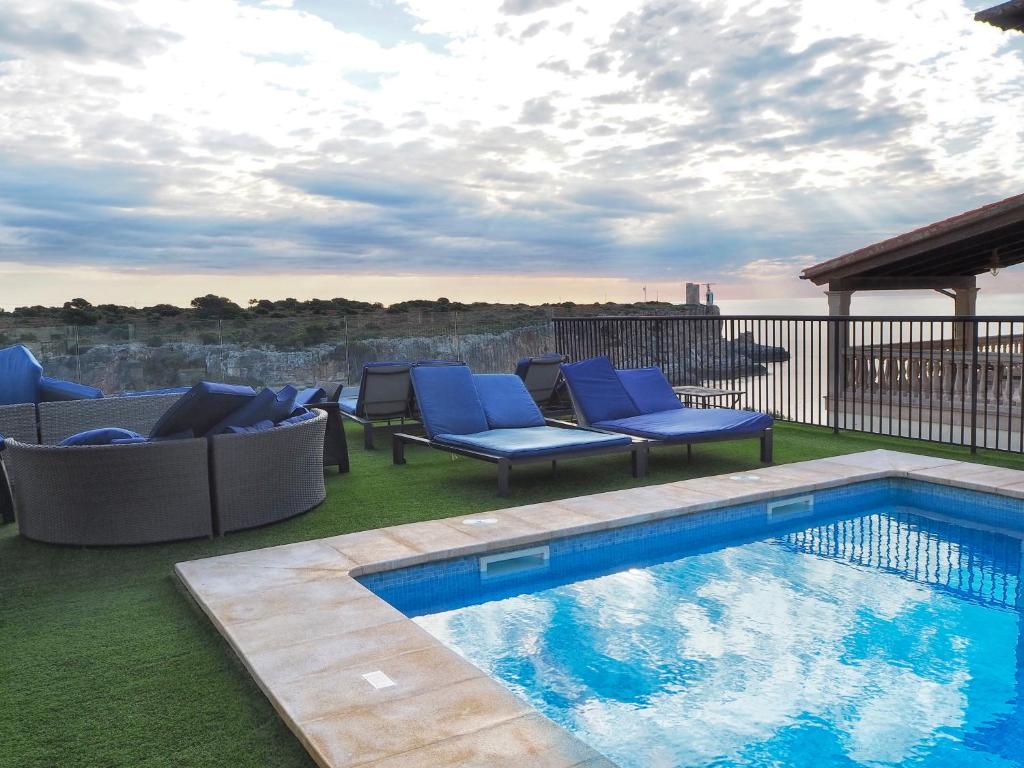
(882, 627)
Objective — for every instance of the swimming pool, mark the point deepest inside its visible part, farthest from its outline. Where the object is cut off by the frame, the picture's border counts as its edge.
(873, 624)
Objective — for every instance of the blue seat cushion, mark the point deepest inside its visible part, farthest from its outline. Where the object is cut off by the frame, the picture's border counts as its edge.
(201, 408)
(20, 373)
(682, 423)
(102, 436)
(598, 391)
(51, 390)
(348, 404)
(266, 406)
(532, 441)
(506, 401)
(649, 389)
(448, 400)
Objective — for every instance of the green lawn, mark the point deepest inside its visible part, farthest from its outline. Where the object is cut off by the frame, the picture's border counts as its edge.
(105, 661)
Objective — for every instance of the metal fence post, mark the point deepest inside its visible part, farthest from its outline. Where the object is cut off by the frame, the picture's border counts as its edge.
(975, 377)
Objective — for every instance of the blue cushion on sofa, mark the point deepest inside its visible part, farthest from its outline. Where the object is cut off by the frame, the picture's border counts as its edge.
(506, 401)
(448, 400)
(598, 391)
(20, 373)
(148, 392)
(201, 408)
(101, 436)
(266, 406)
(649, 389)
(298, 418)
(52, 390)
(310, 395)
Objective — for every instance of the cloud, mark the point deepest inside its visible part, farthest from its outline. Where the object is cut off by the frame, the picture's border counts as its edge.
(647, 139)
(79, 30)
(523, 7)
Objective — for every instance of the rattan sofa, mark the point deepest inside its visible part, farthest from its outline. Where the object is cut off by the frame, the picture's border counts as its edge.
(18, 422)
(110, 494)
(140, 493)
(263, 477)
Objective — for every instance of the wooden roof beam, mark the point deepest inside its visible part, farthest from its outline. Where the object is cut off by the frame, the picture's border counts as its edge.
(886, 283)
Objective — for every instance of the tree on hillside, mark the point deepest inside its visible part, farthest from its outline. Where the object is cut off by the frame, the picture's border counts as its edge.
(78, 312)
(213, 307)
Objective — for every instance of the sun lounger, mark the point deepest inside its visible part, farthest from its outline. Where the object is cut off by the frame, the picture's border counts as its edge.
(492, 417)
(640, 402)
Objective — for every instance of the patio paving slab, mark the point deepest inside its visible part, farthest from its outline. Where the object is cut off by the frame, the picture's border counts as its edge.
(316, 640)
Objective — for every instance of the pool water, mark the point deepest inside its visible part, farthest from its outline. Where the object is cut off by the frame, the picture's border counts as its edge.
(869, 632)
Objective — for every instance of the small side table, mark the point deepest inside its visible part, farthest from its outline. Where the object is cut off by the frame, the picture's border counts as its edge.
(335, 441)
(705, 397)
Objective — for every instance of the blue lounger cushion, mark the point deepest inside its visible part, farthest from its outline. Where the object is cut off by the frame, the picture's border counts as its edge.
(682, 423)
(201, 408)
(506, 401)
(266, 406)
(101, 436)
(598, 391)
(348, 404)
(649, 389)
(52, 390)
(448, 400)
(531, 441)
(20, 373)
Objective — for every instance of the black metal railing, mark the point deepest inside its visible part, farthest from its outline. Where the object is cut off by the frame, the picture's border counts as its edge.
(941, 379)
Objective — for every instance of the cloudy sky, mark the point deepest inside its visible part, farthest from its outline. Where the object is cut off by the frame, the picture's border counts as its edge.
(486, 149)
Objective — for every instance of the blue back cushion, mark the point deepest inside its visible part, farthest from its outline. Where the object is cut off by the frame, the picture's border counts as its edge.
(598, 391)
(102, 436)
(51, 390)
(506, 401)
(20, 373)
(201, 408)
(266, 406)
(649, 389)
(448, 400)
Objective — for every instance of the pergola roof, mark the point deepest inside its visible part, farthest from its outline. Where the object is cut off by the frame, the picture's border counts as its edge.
(1008, 15)
(941, 255)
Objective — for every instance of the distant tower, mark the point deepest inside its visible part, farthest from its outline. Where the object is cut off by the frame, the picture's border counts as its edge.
(709, 296)
(692, 293)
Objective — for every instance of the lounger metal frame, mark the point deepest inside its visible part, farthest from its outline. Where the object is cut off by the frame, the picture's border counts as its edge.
(766, 436)
(638, 447)
(370, 423)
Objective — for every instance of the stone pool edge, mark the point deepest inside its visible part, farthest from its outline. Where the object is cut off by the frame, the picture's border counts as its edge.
(308, 632)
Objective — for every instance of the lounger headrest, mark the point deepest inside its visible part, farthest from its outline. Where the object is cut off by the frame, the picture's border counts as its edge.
(506, 401)
(649, 389)
(448, 400)
(598, 391)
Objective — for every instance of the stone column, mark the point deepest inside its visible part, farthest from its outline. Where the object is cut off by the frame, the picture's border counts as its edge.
(965, 304)
(838, 338)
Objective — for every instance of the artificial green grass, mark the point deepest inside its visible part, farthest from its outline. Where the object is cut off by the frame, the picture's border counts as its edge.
(106, 662)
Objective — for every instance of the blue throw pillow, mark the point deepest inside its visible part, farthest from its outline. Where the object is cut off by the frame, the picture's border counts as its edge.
(259, 426)
(201, 408)
(130, 440)
(649, 389)
(102, 436)
(310, 395)
(20, 373)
